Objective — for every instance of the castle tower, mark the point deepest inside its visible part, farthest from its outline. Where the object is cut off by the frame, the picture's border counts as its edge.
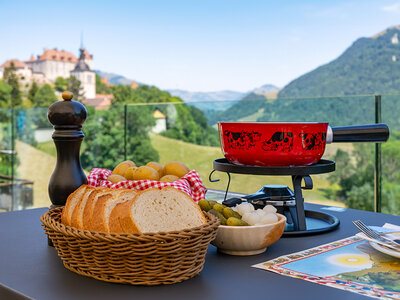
(84, 74)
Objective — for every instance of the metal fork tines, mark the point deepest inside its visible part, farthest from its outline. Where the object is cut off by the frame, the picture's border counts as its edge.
(375, 236)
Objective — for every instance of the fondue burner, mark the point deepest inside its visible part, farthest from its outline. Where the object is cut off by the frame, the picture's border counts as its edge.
(287, 202)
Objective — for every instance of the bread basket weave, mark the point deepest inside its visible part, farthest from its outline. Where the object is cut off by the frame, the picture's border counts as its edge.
(139, 259)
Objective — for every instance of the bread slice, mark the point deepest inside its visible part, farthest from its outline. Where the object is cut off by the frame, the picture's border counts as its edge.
(105, 205)
(90, 204)
(77, 215)
(155, 210)
(71, 203)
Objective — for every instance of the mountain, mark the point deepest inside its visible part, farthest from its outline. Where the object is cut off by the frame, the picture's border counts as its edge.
(368, 66)
(207, 96)
(266, 89)
(206, 101)
(247, 106)
(115, 78)
(221, 100)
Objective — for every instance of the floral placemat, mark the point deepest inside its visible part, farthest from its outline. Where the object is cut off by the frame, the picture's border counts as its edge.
(350, 264)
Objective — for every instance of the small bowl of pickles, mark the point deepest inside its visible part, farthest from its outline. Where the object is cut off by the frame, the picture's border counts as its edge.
(245, 230)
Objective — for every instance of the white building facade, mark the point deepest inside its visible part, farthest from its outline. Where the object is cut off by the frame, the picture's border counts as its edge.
(55, 63)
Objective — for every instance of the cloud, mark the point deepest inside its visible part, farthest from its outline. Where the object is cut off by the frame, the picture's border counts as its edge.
(393, 8)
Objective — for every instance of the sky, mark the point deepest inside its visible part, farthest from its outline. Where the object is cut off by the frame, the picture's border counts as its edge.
(207, 45)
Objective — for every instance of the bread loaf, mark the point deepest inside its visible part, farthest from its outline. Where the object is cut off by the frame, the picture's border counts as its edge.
(130, 211)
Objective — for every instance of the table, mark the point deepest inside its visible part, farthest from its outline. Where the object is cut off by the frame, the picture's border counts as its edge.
(31, 269)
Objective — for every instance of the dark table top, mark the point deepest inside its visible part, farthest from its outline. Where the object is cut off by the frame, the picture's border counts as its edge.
(31, 269)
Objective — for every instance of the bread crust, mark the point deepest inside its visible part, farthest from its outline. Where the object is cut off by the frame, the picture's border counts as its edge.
(120, 211)
(124, 214)
(67, 211)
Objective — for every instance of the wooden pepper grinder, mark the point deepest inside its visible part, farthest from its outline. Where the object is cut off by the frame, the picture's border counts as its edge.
(67, 117)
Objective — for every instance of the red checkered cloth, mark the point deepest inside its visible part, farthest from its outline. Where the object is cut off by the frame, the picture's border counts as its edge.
(191, 183)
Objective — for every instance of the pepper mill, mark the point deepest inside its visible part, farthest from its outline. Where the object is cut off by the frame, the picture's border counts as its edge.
(67, 117)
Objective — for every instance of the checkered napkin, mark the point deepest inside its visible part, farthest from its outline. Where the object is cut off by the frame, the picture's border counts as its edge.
(191, 183)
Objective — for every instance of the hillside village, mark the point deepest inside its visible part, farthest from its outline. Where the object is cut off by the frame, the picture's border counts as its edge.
(54, 63)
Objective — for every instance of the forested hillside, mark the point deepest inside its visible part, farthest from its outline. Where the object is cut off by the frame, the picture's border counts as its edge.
(369, 66)
(249, 105)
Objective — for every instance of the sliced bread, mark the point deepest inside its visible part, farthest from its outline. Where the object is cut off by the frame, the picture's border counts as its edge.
(71, 203)
(77, 214)
(105, 205)
(89, 207)
(155, 210)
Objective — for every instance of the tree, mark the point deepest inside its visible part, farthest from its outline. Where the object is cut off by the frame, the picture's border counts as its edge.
(11, 78)
(44, 97)
(101, 88)
(185, 122)
(32, 92)
(104, 142)
(5, 92)
(75, 87)
(355, 176)
(61, 84)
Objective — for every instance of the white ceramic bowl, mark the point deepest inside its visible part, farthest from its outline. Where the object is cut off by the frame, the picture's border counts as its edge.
(248, 240)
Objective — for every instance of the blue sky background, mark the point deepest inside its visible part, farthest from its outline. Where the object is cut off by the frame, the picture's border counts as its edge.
(196, 45)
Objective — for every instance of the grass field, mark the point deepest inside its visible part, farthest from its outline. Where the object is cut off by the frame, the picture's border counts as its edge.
(201, 159)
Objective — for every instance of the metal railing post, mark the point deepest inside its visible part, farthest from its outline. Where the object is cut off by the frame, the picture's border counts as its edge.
(378, 158)
(125, 128)
(12, 158)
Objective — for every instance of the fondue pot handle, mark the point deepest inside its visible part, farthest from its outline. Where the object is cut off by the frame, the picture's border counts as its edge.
(376, 133)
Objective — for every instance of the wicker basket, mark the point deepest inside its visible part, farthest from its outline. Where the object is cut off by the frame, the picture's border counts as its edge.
(139, 259)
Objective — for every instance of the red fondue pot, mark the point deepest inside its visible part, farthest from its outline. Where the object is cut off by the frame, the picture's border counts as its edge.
(289, 144)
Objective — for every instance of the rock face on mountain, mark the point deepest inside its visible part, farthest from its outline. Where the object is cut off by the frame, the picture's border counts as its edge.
(369, 66)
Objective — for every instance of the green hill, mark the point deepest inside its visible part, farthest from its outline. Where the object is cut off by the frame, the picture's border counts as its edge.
(369, 66)
(247, 106)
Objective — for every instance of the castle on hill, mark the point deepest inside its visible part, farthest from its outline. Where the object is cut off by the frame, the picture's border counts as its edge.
(55, 63)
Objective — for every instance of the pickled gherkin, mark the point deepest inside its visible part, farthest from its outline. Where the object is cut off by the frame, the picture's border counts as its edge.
(232, 221)
(204, 205)
(220, 216)
(229, 212)
(219, 207)
(212, 202)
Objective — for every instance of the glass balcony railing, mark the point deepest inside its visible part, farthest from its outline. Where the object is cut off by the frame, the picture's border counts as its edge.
(366, 175)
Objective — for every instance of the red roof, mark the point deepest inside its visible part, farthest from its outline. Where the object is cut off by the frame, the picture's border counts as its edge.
(17, 64)
(59, 55)
(102, 101)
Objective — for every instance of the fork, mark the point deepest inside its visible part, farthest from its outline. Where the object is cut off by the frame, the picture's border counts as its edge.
(375, 236)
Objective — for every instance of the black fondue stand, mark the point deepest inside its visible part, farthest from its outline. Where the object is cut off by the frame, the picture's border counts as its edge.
(67, 117)
(299, 174)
